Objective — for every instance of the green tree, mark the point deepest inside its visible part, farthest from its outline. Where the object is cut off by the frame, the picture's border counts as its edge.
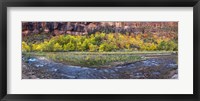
(93, 48)
(69, 47)
(57, 47)
(85, 45)
(162, 45)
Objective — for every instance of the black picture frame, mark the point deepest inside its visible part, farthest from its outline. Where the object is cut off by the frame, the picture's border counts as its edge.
(98, 3)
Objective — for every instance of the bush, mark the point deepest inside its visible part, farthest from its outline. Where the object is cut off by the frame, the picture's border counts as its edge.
(102, 42)
(79, 46)
(172, 46)
(85, 45)
(93, 48)
(106, 47)
(69, 47)
(57, 47)
(168, 46)
(25, 47)
(162, 45)
(148, 47)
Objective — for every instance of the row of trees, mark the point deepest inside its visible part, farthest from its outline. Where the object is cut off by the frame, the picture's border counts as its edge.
(102, 42)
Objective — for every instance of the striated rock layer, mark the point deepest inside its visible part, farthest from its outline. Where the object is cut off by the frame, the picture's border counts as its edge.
(83, 28)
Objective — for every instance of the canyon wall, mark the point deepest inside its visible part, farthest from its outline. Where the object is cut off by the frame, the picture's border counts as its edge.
(83, 28)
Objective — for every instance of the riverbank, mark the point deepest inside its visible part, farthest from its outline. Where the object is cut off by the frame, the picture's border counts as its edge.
(151, 66)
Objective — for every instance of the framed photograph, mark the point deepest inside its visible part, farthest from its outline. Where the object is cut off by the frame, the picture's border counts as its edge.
(99, 50)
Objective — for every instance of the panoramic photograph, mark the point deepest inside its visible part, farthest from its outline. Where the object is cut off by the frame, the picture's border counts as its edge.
(100, 50)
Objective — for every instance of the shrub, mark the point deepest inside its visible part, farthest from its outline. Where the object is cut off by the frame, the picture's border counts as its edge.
(103, 42)
(85, 45)
(162, 45)
(79, 46)
(39, 47)
(168, 46)
(57, 47)
(172, 46)
(93, 48)
(149, 46)
(106, 47)
(69, 47)
(25, 47)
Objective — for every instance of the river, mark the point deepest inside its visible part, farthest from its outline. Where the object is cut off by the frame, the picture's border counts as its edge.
(159, 67)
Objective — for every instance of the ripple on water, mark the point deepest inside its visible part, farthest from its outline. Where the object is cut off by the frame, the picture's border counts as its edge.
(139, 75)
(149, 63)
(32, 59)
(39, 65)
(171, 65)
(156, 73)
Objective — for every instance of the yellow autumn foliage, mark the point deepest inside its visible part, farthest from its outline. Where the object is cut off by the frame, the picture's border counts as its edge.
(104, 42)
(25, 47)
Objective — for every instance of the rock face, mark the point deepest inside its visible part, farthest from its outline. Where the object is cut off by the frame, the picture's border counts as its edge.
(81, 28)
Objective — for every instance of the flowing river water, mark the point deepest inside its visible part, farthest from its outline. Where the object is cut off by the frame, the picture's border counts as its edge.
(159, 67)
